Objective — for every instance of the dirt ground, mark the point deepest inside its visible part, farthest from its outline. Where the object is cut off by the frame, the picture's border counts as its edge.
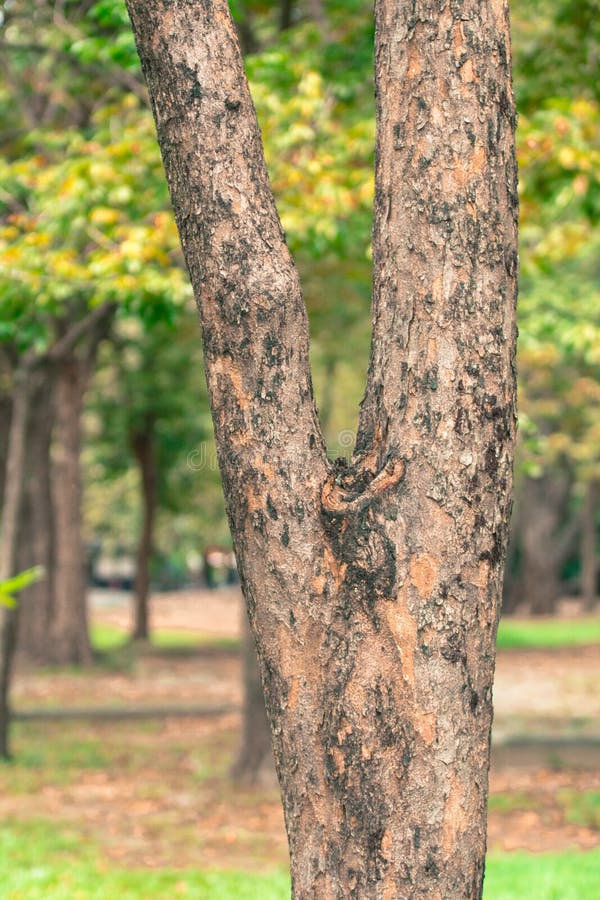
(156, 792)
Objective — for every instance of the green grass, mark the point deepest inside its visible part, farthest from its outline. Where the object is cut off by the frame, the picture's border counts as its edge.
(508, 802)
(39, 861)
(581, 807)
(515, 633)
(106, 638)
(560, 876)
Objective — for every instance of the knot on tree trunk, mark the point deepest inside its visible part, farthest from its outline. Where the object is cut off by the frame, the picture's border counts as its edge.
(357, 532)
(350, 489)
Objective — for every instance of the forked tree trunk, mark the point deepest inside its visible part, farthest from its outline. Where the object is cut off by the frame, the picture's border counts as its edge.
(372, 588)
(69, 631)
(143, 449)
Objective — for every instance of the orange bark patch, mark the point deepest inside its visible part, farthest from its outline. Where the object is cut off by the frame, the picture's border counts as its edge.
(264, 468)
(224, 366)
(319, 582)
(454, 817)
(292, 700)
(386, 843)
(466, 72)
(480, 576)
(414, 64)
(404, 631)
(255, 501)
(426, 725)
(338, 760)
(424, 571)
(477, 161)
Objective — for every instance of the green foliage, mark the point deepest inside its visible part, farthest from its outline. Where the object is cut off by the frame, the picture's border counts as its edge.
(559, 158)
(11, 586)
(85, 223)
(84, 218)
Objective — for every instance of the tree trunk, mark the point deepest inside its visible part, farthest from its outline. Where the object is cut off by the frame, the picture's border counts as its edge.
(544, 542)
(254, 763)
(36, 544)
(69, 630)
(316, 11)
(372, 587)
(143, 448)
(286, 9)
(5, 413)
(589, 554)
(9, 525)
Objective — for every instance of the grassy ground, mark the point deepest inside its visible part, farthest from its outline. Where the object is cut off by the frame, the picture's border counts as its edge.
(550, 633)
(146, 809)
(512, 634)
(39, 862)
(106, 638)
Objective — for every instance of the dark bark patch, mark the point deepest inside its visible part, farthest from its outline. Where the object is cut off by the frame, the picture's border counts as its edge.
(271, 508)
(491, 461)
(454, 649)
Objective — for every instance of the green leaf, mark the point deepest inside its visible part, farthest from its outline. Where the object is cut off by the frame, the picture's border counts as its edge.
(20, 581)
(7, 600)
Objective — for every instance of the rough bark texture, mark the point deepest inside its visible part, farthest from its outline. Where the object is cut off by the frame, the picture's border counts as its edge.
(589, 543)
(36, 532)
(142, 445)
(372, 588)
(254, 763)
(69, 630)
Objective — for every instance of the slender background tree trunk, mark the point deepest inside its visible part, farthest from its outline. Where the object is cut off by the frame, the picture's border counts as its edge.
(372, 587)
(69, 633)
(254, 763)
(142, 445)
(36, 543)
(9, 529)
(589, 545)
(547, 537)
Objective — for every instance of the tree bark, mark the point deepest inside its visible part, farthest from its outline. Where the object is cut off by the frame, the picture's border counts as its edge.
(69, 636)
(36, 542)
(372, 587)
(254, 763)
(9, 526)
(589, 544)
(142, 445)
